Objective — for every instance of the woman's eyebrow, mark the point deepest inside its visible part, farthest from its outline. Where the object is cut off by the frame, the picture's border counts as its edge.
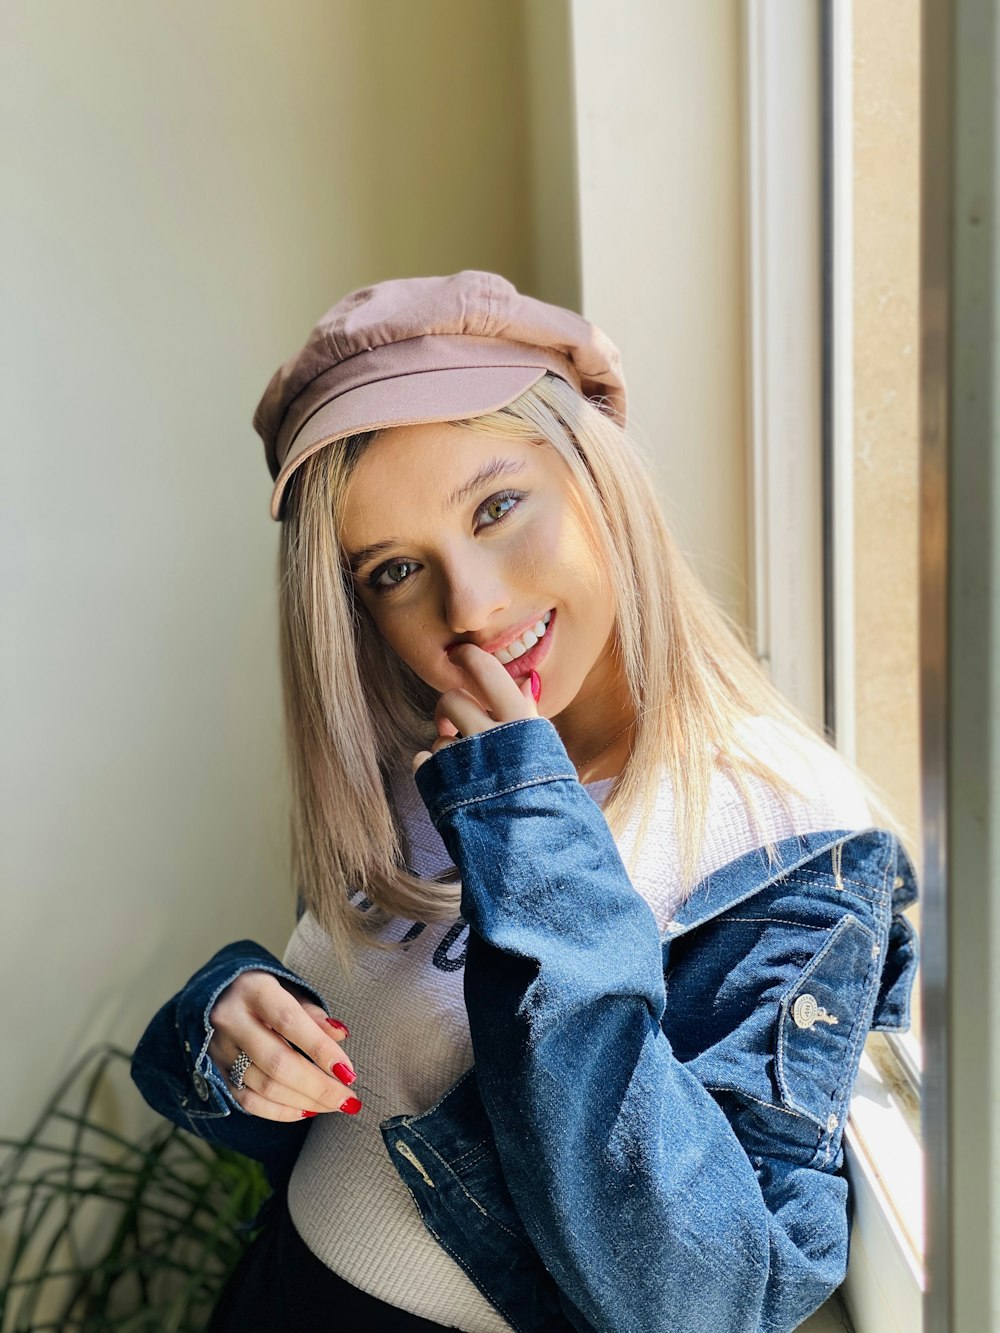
(489, 471)
(496, 467)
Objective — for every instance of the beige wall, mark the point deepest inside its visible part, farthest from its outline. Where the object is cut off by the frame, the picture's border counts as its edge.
(547, 53)
(186, 188)
(662, 231)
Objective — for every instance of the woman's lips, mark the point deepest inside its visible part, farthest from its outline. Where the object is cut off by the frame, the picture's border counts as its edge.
(530, 661)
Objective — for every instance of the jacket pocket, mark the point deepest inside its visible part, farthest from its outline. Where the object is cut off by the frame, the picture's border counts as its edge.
(823, 1020)
(772, 1018)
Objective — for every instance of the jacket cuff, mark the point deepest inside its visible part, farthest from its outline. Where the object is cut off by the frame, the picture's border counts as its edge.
(503, 759)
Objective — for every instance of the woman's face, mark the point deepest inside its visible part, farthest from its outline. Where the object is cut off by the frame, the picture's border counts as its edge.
(478, 558)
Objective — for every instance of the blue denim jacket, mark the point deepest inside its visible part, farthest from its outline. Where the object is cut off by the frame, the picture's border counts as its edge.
(650, 1137)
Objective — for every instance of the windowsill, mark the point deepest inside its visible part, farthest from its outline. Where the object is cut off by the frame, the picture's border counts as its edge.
(883, 1291)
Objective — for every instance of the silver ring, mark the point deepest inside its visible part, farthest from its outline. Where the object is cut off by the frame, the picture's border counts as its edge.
(238, 1068)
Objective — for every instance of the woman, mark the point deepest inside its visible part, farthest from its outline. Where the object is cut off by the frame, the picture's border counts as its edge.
(615, 1094)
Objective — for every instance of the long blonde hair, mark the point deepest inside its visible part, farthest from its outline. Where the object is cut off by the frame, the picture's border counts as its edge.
(355, 713)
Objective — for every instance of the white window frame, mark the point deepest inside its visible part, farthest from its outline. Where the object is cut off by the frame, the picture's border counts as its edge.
(783, 153)
(784, 340)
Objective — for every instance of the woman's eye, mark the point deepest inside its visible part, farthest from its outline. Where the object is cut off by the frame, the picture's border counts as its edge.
(490, 513)
(391, 576)
(498, 507)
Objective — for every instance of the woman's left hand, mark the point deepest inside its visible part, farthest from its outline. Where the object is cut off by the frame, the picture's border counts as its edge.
(494, 698)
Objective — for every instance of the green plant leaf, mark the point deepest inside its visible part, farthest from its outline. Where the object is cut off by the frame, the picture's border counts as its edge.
(119, 1234)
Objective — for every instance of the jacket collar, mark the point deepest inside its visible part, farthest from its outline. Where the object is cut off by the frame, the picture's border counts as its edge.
(873, 854)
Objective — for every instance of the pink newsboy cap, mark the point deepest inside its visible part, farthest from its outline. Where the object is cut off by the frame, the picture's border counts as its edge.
(426, 349)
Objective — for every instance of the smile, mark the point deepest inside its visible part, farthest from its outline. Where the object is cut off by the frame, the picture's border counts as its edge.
(525, 641)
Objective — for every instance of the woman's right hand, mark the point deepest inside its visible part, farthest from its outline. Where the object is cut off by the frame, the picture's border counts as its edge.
(261, 1014)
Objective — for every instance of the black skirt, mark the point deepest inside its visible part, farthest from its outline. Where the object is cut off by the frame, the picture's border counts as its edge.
(279, 1285)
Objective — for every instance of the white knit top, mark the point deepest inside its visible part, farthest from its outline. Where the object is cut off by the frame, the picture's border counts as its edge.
(410, 1036)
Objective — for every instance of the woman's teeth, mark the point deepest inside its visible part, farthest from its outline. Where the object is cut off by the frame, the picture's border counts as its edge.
(518, 647)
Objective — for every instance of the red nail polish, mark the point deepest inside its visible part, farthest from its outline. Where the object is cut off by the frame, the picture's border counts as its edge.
(344, 1073)
(307, 1114)
(336, 1023)
(351, 1107)
(536, 686)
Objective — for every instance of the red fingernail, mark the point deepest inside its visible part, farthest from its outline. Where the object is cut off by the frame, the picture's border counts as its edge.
(536, 686)
(351, 1107)
(344, 1073)
(336, 1023)
(307, 1114)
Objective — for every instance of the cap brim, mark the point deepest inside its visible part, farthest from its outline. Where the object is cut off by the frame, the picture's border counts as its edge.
(406, 400)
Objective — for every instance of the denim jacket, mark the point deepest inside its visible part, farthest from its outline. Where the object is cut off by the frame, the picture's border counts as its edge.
(650, 1137)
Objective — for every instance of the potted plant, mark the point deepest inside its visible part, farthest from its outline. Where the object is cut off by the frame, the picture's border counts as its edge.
(101, 1232)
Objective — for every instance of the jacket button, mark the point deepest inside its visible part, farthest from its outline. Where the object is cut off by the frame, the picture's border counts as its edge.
(200, 1085)
(805, 1010)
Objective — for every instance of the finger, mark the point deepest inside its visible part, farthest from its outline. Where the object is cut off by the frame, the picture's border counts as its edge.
(254, 1104)
(317, 1014)
(266, 1020)
(270, 1088)
(281, 1077)
(494, 687)
(221, 1053)
(296, 1021)
(447, 729)
(341, 1031)
(462, 712)
(422, 756)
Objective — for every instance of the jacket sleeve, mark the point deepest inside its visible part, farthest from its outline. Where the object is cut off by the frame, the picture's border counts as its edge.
(650, 1206)
(178, 1078)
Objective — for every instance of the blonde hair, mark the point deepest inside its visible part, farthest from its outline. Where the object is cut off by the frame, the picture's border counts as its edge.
(355, 713)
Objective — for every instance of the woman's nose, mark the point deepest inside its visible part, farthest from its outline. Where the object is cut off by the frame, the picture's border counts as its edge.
(472, 600)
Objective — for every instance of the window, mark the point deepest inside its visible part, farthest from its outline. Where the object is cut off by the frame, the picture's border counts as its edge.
(832, 155)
